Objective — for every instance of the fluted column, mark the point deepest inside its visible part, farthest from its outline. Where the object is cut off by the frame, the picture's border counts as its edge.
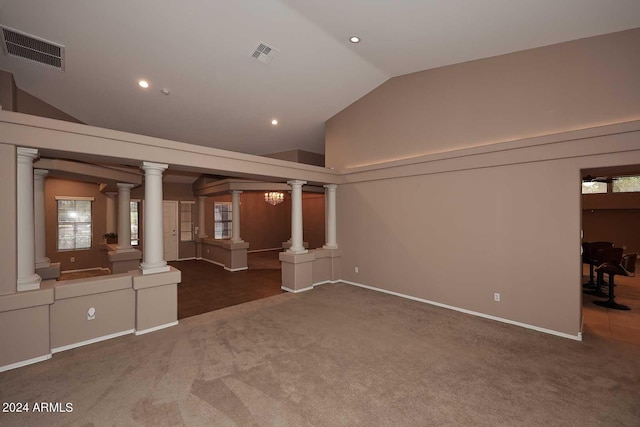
(330, 201)
(27, 277)
(235, 216)
(39, 215)
(153, 251)
(111, 211)
(297, 243)
(201, 217)
(124, 218)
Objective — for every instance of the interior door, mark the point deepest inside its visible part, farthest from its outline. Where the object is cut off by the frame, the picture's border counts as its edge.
(170, 229)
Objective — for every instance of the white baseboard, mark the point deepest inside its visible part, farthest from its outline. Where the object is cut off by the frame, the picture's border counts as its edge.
(91, 341)
(325, 282)
(222, 265)
(236, 269)
(156, 328)
(25, 362)
(265, 250)
(284, 288)
(186, 259)
(577, 337)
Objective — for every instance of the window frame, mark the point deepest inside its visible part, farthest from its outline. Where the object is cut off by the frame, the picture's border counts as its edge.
(227, 224)
(74, 199)
(192, 212)
(138, 202)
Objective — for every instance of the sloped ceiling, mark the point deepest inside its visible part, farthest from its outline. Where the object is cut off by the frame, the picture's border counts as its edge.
(221, 97)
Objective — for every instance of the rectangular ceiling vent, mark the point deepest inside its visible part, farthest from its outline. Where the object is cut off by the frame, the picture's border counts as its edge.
(264, 53)
(32, 49)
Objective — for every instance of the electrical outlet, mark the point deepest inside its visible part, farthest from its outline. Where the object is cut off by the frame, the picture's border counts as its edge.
(207, 250)
(496, 297)
(73, 259)
(357, 270)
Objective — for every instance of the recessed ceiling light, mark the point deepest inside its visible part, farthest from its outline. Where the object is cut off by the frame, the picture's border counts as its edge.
(143, 83)
(165, 91)
(274, 122)
(354, 39)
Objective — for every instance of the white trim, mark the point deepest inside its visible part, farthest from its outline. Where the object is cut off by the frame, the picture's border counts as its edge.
(25, 362)
(577, 337)
(233, 270)
(91, 341)
(90, 199)
(177, 212)
(156, 328)
(186, 259)
(325, 282)
(219, 264)
(265, 250)
(284, 288)
(85, 269)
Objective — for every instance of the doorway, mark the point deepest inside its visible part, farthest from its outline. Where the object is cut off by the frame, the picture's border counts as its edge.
(169, 229)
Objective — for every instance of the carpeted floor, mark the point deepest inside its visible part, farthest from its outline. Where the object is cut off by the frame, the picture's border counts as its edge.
(335, 356)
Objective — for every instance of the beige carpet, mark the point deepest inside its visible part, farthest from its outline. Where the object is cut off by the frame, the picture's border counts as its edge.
(336, 356)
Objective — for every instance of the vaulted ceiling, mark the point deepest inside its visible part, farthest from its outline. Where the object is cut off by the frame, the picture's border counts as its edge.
(220, 96)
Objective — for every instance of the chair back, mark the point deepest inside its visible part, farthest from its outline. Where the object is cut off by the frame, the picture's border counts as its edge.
(592, 249)
(609, 256)
(629, 263)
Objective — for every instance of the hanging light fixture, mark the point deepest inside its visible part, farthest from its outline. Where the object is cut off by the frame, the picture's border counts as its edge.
(273, 197)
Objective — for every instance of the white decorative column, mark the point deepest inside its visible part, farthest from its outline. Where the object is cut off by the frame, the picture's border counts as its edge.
(235, 216)
(330, 200)
(39, 215)
(297, 244)
(111, 211)
(201, 217)
(27, 277)
(153, 257)
(124, 218)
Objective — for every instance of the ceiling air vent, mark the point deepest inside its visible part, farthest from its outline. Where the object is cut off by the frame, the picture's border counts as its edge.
(31, 48)
(264, 53)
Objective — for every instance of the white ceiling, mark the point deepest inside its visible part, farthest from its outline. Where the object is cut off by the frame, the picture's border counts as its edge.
(221, 97)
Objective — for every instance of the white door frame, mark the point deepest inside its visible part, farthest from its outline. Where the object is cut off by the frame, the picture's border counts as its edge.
(177, 248)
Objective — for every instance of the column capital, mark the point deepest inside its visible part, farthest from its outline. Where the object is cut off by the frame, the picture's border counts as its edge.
(296, 182)
(124, 186)
(40, 173)
(150, 166)
(235, 191)
(203, 197)
(27, 154)
(330, 186)
(111, 194)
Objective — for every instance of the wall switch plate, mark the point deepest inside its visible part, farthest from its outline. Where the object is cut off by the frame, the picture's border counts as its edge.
(357, 270)
(73, 259)
(496, 297)
(91, 313)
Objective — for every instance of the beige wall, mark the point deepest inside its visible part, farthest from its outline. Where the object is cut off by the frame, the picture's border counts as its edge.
(84, 258)
(612, 217)
(8, 91)
(8, 246)
(562, 87)
(29, 104)
(456, 235)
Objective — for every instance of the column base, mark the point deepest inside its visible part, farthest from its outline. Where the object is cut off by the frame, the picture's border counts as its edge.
(125, 249)
(330, 247)
(297, 251)
(29, 283)
(297, 271)
(52, 271)
(154, 268)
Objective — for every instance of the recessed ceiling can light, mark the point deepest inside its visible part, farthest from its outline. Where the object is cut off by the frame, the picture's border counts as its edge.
(165, 91)
(274, 122)
(143, 84)
(354, 39)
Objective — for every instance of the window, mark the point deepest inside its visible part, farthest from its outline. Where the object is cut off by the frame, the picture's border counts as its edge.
(135, 220)
(222, 220)
(74, 223)
(186, 221)
(626, 184)
(592, 187)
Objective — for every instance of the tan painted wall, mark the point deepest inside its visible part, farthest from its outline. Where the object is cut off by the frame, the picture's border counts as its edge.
(8, 91)
(85, 258)
(454, 231)
(29, 104)
(612, 217)
(557, 88)
(8, 214)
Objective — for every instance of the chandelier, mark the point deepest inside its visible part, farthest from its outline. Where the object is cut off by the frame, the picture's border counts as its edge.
(273, 197)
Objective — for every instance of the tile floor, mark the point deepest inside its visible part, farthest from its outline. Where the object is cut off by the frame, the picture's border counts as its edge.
(616, 324)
